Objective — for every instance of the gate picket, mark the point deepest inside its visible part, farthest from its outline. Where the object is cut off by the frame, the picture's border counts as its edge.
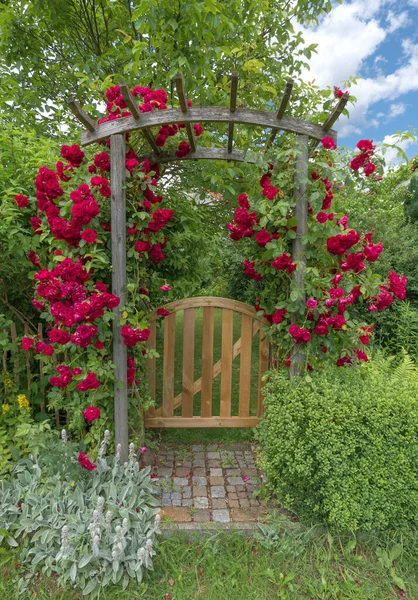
(251, 325)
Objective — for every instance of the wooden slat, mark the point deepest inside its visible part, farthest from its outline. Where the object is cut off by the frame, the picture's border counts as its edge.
(215, 302)
(201, 422)
(188, 363)
(28, 369)
(152, 365)
(331, 119)
(263, 364)
(118, 239)
(16, 357)
(207, 361)
(217, 367)
(232, 108)
(245, 366)
(226, 362)
(299, 243)
(81, 115)
(206, 114)
(41, 368)
(181, 92)
(150, 139)
(130, 101)
(282, 108)
(200, 154)
(168, 367)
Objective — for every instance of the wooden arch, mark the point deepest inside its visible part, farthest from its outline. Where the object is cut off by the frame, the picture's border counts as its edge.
(308, 136)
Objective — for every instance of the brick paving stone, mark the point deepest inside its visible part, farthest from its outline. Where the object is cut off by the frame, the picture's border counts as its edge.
(234, 480)
(199, 480)
(199, 455)
(219, 503)
(187, 491)
(201, 502)
(221, 516)
(215, 472)
(254, 502)
(182, 471)
(199, 463)
(244, 503)
(164, 472)
(187, 464)
(212, 448)
(231, 488)
(201, 516)
(176, 513)
(233, 473)
(241, 488)
(249, 472)
(213, 455)
(187, 502)
(180, 481)
(233, 503)
(166, 501)
(197, 448)
(176, 499)
(244, 514)
(200, 490)
(216, 480)
(242, 495)
(232, 495)
(199, 471)
(214, 464)
(217, 491)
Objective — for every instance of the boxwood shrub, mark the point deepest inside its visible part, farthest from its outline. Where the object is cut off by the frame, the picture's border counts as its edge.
(342, 448)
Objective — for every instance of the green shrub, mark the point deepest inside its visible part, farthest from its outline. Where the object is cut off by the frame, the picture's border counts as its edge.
(343, 448)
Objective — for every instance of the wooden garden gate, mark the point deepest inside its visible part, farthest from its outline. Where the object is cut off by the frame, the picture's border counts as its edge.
(251, 325)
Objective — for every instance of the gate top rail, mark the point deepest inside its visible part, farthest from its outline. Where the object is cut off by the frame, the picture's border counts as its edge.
(215, 302)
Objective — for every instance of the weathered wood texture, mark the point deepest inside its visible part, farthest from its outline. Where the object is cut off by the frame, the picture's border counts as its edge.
(299, 247)
(200, 154)
(206, 114)
(81, 115)
(282, 108)
(181, 92)
(232, 108)
(118, 219)
(251, 325)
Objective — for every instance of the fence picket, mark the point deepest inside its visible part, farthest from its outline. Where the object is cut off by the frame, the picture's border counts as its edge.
(168, 367)
(207, 361)
(226, 362)
(188, 363)
(245, 366)
(263, 363)
(152, 364)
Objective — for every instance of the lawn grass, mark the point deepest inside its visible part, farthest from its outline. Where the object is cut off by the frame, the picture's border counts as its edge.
(207, 434)
(302, 564)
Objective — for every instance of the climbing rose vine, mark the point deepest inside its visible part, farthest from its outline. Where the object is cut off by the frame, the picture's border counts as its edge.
(338, 275)
(71, 215)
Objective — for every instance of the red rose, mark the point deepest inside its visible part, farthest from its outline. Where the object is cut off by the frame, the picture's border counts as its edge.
(21, 200)
(262, 238)
(90, 382)
(86, 463)
(89, 236)
(278, 316)
(328, 143)
(198, 129)
(369, 169)
(27, 343)
(91, 413)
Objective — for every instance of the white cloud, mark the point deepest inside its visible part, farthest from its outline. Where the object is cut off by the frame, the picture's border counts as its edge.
(396, 109)
(349, 35)
(391, 154)
(396, 21)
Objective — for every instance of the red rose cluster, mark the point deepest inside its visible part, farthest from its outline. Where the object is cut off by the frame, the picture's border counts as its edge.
(131, 337)
(363, 160)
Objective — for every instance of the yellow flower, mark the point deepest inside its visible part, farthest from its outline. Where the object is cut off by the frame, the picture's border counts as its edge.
(125, 314)
(72, 483)
(23, 401)
(5, 408)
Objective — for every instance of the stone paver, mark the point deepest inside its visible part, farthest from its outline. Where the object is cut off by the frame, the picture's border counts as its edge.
(222, 516)
(203, 483)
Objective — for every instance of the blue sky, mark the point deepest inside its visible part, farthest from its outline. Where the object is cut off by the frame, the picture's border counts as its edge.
(378, 41)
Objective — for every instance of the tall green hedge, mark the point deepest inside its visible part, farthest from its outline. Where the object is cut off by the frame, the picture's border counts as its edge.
(343, 448)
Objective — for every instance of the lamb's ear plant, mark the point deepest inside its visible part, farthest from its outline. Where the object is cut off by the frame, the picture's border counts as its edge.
(91, 528)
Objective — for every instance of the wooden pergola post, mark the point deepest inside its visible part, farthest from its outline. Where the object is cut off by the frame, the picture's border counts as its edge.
(118, 224)
(299, 247)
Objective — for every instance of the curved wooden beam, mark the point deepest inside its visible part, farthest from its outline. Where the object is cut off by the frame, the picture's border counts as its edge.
(213, 301)
(200, 154)
(206, 114)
